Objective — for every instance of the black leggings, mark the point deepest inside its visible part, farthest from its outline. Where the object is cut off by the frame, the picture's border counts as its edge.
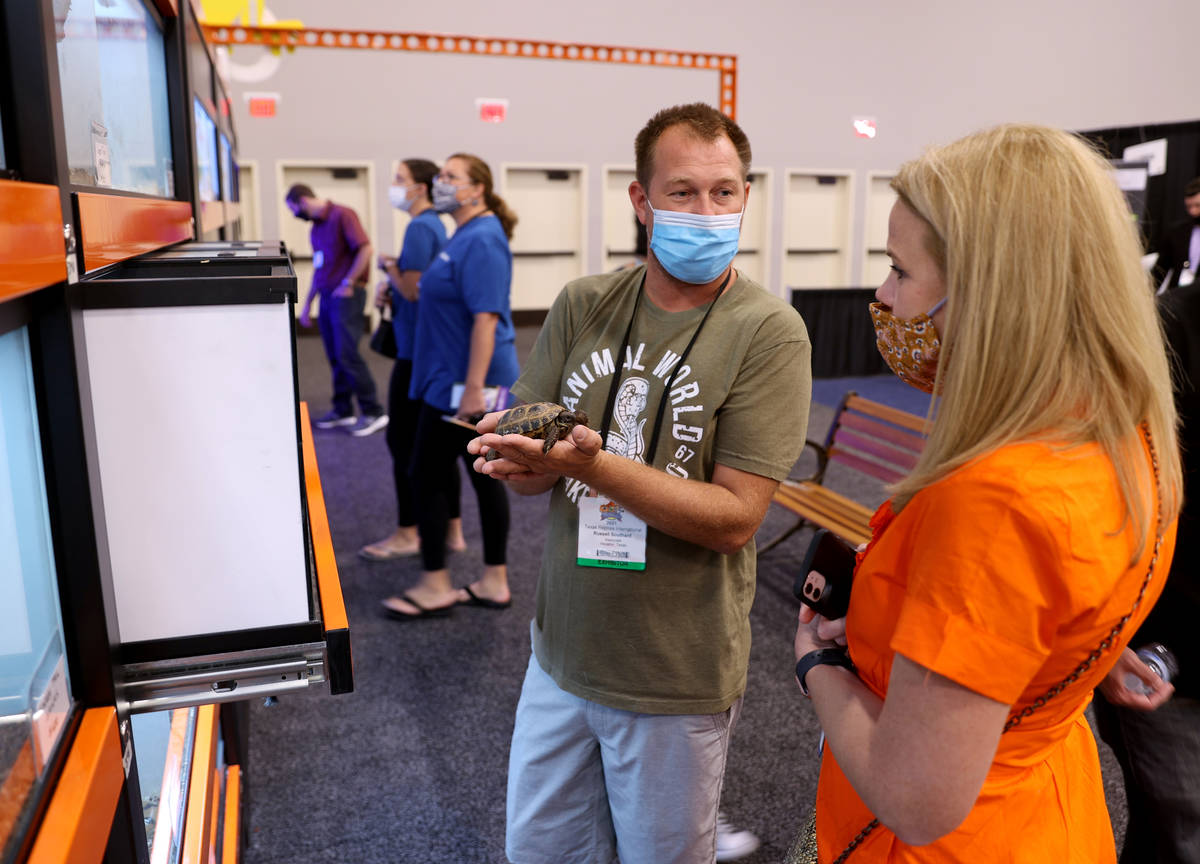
(438, 445)
(401, 433)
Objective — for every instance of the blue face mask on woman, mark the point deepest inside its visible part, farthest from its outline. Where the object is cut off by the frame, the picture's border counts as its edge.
(695, 248)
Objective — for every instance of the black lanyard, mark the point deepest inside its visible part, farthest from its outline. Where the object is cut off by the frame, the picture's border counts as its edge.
(662, 401)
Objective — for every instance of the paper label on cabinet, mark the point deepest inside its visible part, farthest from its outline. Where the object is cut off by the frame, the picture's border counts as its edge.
(50, 713)
(101, 156)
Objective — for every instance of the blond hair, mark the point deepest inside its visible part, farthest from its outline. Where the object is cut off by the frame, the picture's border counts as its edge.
(1051, 328)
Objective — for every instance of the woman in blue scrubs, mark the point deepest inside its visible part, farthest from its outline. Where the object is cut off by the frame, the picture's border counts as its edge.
(464, 337)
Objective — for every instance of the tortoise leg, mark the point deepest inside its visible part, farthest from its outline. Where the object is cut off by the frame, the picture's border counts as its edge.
(552, 435)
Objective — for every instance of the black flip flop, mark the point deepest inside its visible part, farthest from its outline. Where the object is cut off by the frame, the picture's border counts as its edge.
(476, 600)
(439, 612)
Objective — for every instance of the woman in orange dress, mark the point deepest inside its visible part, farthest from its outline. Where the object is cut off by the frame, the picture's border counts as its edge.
(1008, 572)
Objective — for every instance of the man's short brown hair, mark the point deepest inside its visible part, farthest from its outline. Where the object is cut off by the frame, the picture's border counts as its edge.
(701, 120)
(1192, 188)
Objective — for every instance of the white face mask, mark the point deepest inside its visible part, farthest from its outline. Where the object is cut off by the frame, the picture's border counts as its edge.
(398, 196)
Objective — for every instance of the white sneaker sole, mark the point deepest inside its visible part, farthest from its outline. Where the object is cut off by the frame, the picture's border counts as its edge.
(371, 428)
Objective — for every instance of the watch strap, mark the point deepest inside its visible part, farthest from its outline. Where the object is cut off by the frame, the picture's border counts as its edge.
(821, 657)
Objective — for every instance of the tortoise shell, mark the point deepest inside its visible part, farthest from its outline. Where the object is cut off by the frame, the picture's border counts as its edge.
(546, 421)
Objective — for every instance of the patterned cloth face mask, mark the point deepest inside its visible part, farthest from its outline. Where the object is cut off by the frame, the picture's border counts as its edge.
(909, 346)
(445, 196)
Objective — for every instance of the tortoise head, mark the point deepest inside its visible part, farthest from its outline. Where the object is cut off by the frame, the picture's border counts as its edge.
(581, 417)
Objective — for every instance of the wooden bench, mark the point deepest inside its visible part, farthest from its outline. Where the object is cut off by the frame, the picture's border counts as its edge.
(867, 436)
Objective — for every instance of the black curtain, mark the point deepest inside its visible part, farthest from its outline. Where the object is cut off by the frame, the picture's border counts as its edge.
(1164, 193)
(839, 325)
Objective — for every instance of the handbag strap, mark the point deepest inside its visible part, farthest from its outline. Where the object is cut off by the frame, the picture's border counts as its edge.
(1105, 644)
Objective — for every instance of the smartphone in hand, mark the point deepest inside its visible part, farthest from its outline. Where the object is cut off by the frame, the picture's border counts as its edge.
(828, 589)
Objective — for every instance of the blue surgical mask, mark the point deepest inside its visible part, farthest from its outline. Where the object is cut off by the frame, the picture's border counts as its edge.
(445, 196)
(695, 248)
(398, 197)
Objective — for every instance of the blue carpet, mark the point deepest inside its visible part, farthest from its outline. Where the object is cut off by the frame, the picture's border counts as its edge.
(887, 389)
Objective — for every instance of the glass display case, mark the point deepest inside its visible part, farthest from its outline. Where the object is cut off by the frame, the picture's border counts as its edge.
(114, 96)
(35, 699)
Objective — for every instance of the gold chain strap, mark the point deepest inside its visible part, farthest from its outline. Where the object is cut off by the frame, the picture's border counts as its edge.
(1096, 654)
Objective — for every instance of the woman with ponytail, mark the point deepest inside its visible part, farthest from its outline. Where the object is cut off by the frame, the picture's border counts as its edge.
(464, 337)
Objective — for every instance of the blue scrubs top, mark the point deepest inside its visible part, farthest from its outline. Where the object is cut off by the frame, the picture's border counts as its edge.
(423, 239)
(472, 274)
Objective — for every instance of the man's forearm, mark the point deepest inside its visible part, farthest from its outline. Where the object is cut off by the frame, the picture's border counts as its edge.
(361, 266)
(707, 514)
(309, 297)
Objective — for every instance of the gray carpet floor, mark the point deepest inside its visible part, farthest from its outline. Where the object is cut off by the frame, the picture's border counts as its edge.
(411, 767)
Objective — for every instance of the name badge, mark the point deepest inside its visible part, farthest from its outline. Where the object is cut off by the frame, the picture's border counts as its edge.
(1186, 278)
(318, 259)
(610, 536)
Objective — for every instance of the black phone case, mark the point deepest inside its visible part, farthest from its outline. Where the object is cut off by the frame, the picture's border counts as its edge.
(834, 559)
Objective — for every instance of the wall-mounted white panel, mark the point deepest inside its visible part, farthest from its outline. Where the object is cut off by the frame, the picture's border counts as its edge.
(249, 200)
(195, 424)
(620, 223)
(814, 270)
(880, 199)
(755, 241)
(549, 242)
(817, 228)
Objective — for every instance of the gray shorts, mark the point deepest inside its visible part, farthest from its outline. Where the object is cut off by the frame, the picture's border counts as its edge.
(587, 782)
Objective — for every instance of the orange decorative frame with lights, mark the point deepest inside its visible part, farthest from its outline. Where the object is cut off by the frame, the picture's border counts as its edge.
(290, 37)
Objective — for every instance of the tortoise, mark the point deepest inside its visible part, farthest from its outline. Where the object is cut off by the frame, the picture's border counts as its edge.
(538, 420)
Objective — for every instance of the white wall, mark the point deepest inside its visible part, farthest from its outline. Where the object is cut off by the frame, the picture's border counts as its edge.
(928, 70)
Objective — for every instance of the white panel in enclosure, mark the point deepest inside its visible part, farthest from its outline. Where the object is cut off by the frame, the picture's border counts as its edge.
(195, 421)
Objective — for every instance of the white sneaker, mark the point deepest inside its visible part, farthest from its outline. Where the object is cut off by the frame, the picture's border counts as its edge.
(731, 842)
(369, 425)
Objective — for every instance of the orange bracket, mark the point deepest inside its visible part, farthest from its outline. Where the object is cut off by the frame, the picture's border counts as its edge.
(116, 227)
(76, 826)
(32, 252)
(340, 662)
(725, 65)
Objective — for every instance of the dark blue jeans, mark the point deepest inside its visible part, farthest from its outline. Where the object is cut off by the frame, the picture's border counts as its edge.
(341, 324)
(1159, 752)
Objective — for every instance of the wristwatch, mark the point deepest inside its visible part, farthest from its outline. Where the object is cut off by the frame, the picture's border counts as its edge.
(821, 657)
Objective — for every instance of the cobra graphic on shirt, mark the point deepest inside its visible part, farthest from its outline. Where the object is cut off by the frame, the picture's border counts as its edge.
(629, 419)
(636, 405)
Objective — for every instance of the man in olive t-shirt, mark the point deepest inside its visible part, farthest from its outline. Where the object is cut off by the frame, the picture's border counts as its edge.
(699, 384)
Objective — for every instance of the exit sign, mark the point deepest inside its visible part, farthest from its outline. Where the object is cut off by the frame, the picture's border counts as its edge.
(262, 104)
(492, 110)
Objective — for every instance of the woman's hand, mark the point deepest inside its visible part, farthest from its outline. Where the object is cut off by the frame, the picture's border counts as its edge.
(815, 631)
(473, 403)
(383, 296)
(1114, 689)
